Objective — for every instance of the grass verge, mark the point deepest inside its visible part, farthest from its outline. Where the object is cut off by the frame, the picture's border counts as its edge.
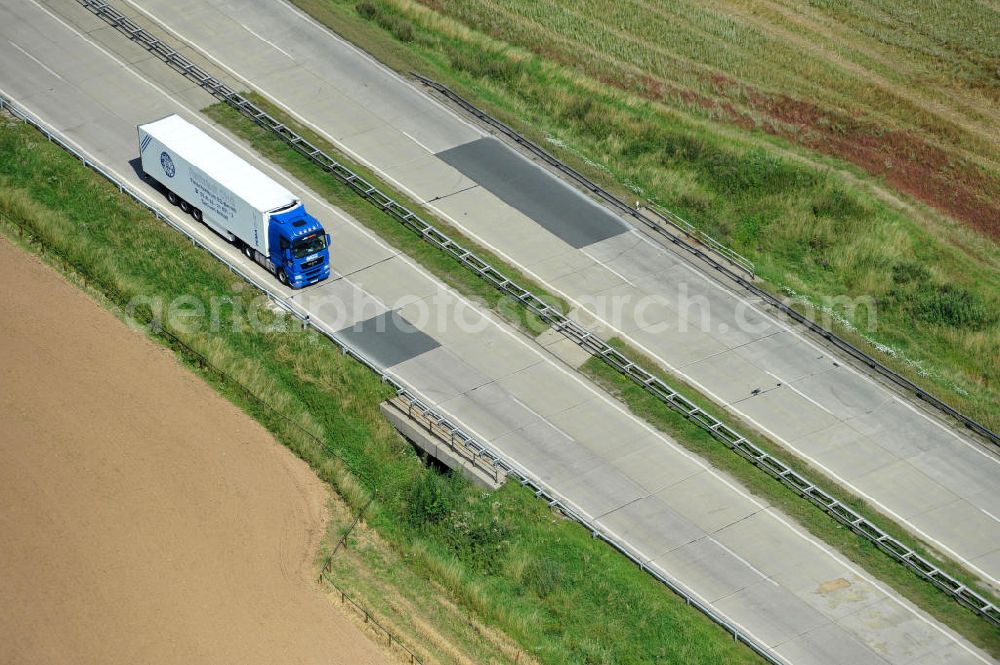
(503, 557)
(406, 601)
(818, 228)
(920, 592)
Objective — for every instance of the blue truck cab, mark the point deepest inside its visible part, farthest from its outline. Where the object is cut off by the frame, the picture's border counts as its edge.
(239, 202)
(299, 247)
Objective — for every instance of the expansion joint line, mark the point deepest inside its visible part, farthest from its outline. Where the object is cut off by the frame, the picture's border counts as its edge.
(599, 348)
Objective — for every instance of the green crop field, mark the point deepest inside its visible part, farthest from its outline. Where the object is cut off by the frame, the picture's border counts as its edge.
(847, 148)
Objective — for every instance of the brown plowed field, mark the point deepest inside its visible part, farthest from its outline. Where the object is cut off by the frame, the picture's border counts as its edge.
(144, 519)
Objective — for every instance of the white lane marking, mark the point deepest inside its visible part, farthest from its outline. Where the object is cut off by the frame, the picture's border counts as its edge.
(503, 327)
(35, 60)
(610, 269)
(745, 562)
(327, 33)
(267, 41)
(544, 419)
(799, 392)
(468, 231)
(412, 138)
(990, 515)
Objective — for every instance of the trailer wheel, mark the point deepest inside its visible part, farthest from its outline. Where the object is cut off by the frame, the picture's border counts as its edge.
(282, 277)
(173, 198)
(185, 206)
(247, 251)
(196, 214)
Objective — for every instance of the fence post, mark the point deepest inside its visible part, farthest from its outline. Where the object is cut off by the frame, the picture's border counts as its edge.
(357, 519)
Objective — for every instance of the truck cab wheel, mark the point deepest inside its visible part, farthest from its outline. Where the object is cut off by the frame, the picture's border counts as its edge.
(196, 214)
(185, 206)
(282, 277)
(173, 198)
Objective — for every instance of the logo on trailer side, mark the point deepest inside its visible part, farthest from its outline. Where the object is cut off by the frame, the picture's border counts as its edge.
(167, 164)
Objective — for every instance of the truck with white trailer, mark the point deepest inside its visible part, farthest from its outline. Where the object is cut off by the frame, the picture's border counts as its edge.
(236, 200)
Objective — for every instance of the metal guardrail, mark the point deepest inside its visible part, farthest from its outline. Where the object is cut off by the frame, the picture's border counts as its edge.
(662, 218)
(457, 445)
(586, 339)
(442, 426)
(734, 258)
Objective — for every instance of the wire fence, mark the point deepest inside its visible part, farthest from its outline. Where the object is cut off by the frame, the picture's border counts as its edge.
(325, 575)
(442, 427)
(328, 565)
(391, 639)
(596, 346)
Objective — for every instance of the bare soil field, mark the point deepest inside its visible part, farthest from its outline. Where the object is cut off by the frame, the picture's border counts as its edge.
(143, 518)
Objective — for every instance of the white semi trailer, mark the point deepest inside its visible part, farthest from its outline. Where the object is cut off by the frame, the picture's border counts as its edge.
(236, 200)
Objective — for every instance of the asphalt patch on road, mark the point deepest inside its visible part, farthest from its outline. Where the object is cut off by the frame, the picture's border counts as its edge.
(560, 209)
(388, 339)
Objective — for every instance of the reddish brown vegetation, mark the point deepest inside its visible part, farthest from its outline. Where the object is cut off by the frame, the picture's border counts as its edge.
(906, 161)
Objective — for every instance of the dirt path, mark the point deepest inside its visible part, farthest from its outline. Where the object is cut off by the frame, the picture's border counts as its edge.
(144, 519)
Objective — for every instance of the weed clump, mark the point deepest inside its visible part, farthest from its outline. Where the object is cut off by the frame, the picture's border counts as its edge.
(954, 306)
(471, 525)
(543, 576)
(368, 10)
(431, 500)
(400, 28)
(496, 66)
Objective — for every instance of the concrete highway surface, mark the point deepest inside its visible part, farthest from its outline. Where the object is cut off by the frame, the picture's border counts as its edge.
(931, 479)
(787, 590)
